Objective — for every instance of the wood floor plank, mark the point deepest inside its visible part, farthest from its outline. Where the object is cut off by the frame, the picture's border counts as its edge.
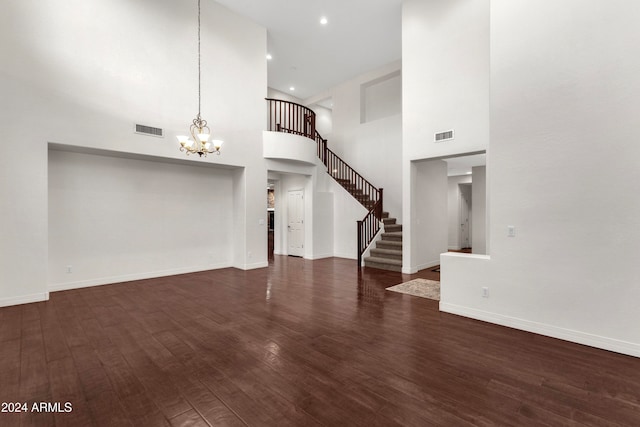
(189, 419)
(10, 323)
(159, 388)
(34, 380)
(207, 404)
(107, 411)
(9, 373)
(66, 388)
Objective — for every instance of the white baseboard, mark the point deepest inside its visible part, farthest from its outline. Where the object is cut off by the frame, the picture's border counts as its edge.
(423, 266)
(253, 266)
(24, 299)
(347, 256)
(321, 256)
(131, 277)
(610, 344)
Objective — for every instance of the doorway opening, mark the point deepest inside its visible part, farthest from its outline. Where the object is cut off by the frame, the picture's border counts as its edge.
(271, 212)
(467, 217)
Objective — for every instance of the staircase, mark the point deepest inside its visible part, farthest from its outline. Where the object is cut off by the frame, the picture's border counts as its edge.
(387, 255)
(286, 116)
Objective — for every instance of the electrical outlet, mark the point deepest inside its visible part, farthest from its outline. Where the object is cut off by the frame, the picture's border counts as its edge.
(511, 231)
(69, 269)
(485, 292)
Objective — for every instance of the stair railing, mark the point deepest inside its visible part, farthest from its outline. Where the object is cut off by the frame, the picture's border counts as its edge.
(362, 190)
(369, 227)
(289, 117)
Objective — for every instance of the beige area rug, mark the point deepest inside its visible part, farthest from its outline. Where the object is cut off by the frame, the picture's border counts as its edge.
(420, 288)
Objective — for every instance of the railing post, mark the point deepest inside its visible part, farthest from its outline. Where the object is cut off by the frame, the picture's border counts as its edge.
(379, 214)
(359, 243)
(325, 154)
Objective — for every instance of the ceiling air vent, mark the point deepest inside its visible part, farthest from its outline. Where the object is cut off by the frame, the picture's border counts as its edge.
(149, 130)
(443, 136)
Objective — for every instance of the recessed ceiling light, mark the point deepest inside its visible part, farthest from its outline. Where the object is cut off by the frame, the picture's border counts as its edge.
(269, 57)
(324, 20)
(292, 88)
(468, 173)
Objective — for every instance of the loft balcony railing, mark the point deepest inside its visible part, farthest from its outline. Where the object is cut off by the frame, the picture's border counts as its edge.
(289, 117)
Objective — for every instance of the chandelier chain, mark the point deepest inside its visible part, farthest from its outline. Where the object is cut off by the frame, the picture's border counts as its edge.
(199, 66)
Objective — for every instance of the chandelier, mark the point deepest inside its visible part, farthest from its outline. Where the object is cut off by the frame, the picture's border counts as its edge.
(200, 133)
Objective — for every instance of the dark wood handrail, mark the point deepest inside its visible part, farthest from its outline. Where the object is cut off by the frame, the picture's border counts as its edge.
(290, 117)
(368, 228)
(361, 189)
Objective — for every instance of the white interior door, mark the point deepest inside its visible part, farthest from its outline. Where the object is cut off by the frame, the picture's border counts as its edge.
(295, 223)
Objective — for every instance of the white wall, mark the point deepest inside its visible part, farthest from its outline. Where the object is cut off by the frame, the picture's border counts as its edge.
(116, 219)
(563, 171)
(324, 121)
(445, 78)
(479, 216)
(374, 149)
(288, 146)
(381, 98)
(429, 214)
(323, 225)
(453, 208)
(85, 73)
(276, 94)
(346, 211)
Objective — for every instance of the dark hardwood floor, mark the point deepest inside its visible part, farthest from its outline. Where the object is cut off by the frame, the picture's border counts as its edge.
(300, 343)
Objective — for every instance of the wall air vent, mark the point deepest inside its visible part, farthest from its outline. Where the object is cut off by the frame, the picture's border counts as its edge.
(443, 136)
(149, 130)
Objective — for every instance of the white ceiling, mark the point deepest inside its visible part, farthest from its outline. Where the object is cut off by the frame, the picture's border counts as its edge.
(360, 36)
